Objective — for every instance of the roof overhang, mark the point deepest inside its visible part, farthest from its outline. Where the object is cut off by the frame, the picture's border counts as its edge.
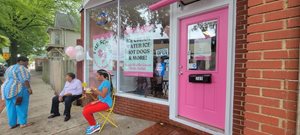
(164, 3)
(161, 4)
(92, 3)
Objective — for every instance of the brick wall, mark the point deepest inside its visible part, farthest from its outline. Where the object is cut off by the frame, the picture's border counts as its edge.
(148, 111)
(240, 67)
(272, 67)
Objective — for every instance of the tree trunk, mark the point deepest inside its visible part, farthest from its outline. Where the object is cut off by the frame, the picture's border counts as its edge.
(14, 52)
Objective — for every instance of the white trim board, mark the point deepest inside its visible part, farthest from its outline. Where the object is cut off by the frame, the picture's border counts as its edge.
(93, 3)
(230, 67)
(85, 40)
(142, 98)
(190, 10)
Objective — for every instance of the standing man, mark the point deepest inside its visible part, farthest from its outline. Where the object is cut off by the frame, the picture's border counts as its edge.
(16, 90)
(71, 92)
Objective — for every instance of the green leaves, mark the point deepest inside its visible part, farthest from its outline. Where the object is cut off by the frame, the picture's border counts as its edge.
(4, 41)
(25, 22)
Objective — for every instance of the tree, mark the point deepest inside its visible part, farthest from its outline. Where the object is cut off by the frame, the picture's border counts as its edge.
(25, 19)
(4, 41)
(25, 23)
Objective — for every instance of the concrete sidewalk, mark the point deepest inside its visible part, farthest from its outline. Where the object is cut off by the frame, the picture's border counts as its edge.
(39, 109)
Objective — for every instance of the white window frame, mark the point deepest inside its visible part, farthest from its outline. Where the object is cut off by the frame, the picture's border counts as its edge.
(190, 10)
(91, 4)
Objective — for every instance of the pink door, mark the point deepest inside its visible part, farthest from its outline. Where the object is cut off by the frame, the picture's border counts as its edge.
(202, 69)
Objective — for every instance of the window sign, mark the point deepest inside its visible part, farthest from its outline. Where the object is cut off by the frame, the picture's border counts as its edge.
(202, 49)
(162, 52)
(102, 49)
(139, 58)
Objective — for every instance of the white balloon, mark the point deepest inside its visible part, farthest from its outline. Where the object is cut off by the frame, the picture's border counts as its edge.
(80, 56)
(78, 48)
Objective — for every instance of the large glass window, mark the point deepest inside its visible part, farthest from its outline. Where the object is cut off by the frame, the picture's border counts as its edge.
(102, 48)
(143, 46)
(145, 49)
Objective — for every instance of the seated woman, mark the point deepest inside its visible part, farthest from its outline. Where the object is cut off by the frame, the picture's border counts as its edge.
(103, 103)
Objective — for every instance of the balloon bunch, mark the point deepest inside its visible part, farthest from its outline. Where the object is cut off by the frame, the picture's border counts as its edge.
(76, 52)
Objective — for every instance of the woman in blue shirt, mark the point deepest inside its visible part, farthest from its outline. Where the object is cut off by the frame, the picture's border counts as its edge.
(103, 103)
(17, 85)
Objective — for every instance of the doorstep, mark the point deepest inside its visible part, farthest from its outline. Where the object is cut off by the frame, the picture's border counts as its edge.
(167, 129)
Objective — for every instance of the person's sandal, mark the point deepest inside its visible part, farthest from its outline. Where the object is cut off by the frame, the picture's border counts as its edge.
(14, 126)
(26, 125)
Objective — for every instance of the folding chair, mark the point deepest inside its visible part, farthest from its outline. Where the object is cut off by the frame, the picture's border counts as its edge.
(107, 118)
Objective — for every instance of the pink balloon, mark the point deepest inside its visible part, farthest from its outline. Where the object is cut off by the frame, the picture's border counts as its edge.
(69, 49)
(71, 52)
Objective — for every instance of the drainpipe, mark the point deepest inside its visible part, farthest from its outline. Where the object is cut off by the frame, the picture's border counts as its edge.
(298, 103)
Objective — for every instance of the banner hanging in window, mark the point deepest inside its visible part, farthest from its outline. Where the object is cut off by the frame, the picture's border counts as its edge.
(139, 58)
(102, 51)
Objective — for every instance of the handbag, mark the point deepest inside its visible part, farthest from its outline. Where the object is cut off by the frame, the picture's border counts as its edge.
(19, 99)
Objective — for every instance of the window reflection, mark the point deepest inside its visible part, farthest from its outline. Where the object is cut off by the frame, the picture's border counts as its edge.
(143, 46)
(103, 41)
(144, 49)
(202, 45)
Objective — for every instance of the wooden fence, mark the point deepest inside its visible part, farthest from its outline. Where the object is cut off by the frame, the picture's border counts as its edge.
(54, 72)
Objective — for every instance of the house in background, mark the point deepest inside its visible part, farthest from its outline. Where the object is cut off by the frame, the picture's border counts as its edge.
(64, 33)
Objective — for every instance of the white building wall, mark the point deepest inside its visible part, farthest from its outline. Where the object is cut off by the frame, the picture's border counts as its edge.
(52, 37)
(70, 38)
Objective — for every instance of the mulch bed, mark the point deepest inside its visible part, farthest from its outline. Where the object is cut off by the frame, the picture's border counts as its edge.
(165, 129)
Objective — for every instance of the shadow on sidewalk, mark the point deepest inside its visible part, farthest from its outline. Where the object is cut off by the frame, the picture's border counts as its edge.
(39, 108)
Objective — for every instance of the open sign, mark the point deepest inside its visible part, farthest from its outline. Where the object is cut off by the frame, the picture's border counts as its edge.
(162, 52)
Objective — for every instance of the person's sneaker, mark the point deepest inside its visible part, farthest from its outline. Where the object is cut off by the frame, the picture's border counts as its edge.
(92, 129)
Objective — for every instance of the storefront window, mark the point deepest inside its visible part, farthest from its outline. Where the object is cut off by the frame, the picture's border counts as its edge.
(102, 43)
(143, 46)
(144, 43)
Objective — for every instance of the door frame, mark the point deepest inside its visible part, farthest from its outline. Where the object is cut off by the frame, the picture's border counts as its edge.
(178, 13)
